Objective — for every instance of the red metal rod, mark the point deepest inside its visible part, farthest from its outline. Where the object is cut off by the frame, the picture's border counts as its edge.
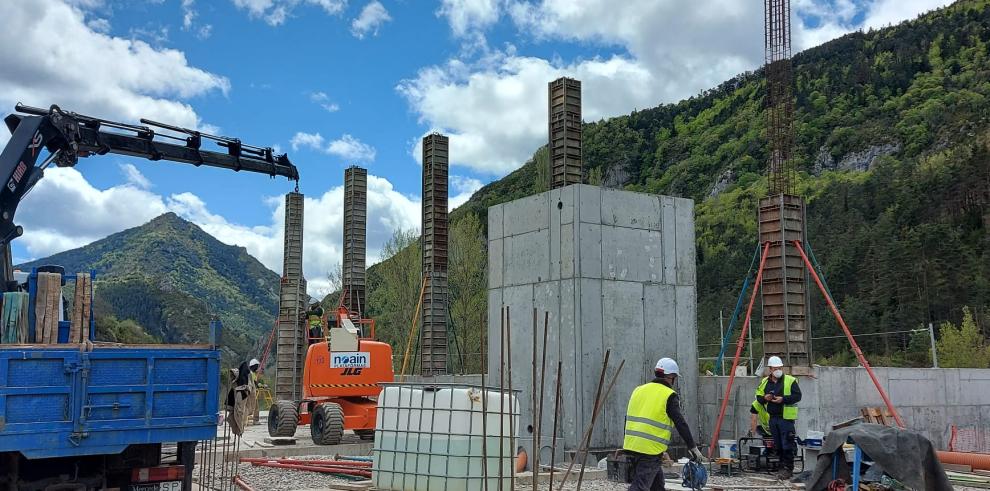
(852, 340)
(316, 468)
(241, 484)
(339, 463)
(739, 348)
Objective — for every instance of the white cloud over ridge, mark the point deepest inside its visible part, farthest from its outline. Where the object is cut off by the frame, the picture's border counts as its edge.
(494, 105)
(65, 211)
(94, 73)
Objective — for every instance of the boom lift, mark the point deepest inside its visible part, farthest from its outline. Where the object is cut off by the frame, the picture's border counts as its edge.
(68, 136)
(341, 380)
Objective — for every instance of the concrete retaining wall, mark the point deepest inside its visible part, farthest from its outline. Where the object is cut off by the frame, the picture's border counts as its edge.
(930, 400)
(616, 270)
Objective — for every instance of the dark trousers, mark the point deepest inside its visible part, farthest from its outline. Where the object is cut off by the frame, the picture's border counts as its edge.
(647, 472)
(783, 439)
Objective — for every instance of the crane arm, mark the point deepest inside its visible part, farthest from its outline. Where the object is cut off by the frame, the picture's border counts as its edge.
(67, 136)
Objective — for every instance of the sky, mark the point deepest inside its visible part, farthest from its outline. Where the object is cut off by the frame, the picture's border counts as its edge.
(335, 83)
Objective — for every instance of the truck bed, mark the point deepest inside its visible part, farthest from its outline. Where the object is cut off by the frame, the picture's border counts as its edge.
(61, 401)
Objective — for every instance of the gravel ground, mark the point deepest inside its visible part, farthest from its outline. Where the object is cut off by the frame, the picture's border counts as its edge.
(275, 479)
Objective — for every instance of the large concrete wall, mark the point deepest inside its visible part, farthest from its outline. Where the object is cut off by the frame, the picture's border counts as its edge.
(615, 270)
(930, 400)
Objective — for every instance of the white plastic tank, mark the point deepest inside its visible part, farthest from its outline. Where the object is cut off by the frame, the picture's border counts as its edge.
(444, 438)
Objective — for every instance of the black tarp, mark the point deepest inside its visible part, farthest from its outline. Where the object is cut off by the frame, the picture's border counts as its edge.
(903, 454)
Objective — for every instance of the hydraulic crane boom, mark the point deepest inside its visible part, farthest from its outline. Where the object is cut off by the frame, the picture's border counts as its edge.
(67, 136)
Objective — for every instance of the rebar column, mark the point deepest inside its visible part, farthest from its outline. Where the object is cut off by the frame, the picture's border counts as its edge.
(291, 341)
(433, 334)
(564, 101)
(355, 238)
(779, 98)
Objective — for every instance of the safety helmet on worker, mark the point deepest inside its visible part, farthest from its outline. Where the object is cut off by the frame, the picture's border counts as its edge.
(254, 363)
(775, 362)
(667, 366)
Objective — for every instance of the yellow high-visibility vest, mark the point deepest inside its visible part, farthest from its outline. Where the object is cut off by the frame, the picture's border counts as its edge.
(648, 426)
(790, 410)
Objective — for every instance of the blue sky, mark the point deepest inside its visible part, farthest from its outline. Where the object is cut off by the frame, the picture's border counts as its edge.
(341, 82)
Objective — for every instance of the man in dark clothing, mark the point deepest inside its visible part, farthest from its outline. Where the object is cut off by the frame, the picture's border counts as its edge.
(654, 410)
(779, 394)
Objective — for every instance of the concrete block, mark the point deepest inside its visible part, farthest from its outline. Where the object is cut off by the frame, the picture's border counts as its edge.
(685, 245)
(660, 339)
(591, 340)
(526, 258)
(493, 342)
(589, 203)
(687, 346)
(567, 251)
(669, 239)
(622, 305)
(632, 254)
(495, 255)
(866, 393)
(526, 215)
(495, 215)
(630, 210)
(554, 234)
(565, 204)
(571, 402)
(590, 255)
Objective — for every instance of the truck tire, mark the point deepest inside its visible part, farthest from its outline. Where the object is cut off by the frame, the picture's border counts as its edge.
(367, 435)
(283, 417)
(327, 425)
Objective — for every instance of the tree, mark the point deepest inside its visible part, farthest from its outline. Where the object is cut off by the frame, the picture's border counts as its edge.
(963, 346)
(468, 294)
(397, 292)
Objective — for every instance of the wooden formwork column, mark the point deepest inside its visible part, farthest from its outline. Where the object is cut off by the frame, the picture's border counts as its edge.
(433, 334)
(355, 238)
(786, 331)
(564, 109)
(291, 340)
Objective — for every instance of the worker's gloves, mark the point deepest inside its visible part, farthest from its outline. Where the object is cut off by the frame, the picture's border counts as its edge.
(696, 455)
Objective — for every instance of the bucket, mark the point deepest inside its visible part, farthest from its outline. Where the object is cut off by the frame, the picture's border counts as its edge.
(727, 449)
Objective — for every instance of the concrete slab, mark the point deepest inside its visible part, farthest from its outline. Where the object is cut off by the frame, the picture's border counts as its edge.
(567, 252)
(630, 210)
(588, 203)
(631, 254)
(526, 215)
(495, 230)
(623, 306)
(526, 258)
(495, 255)
(684, 216)
(590, 255)
(669, 237)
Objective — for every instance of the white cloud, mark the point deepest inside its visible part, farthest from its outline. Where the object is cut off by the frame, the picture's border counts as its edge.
(372, 17)
(494, 106)
(88, 71)
(135, 177)
(99, 25)
(464, 187)
(65, 211)
(189, 14)
(321, 99)
(276, 12)
(307, 140)
(351, 148)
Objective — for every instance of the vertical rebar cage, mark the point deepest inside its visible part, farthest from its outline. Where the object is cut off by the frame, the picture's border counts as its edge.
(780, 100)
(449, 437)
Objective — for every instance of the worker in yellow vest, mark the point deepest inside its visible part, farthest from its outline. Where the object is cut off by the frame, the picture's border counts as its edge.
(653, 413)
(779, 394)
(759, 420)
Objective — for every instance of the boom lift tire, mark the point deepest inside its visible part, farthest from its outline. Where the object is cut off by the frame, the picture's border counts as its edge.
(283, 417)
(367, 435)
(327, 425)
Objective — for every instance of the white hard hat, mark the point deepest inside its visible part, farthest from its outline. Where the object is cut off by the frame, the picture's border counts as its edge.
(254, 362)
(775, 362)
(667, 366)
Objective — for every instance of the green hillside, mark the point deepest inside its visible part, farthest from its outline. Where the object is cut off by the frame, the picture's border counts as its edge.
(893, 157)
(170, 278)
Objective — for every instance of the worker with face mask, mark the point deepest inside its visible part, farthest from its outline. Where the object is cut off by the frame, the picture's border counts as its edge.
(779, 394)
(653, 413)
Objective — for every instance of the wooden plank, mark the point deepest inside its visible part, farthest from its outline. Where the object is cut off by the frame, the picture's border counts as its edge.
(957, 467)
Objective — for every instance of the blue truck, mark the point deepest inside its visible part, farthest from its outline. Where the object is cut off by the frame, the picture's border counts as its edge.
(89, 415)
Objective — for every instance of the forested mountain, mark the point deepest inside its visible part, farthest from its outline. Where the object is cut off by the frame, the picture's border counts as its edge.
(170, 278)
(893, 158)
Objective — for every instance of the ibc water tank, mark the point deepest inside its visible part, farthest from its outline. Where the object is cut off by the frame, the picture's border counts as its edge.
(444, 437)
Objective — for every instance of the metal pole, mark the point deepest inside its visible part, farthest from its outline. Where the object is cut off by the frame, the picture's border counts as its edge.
(931, 335)
(721, 332)
(512, 405)
(484, 416)
(534, 465)
(591, 425)
(538, 431)
(594, 418)
(553, 441)
(752, 362)
(501, 402)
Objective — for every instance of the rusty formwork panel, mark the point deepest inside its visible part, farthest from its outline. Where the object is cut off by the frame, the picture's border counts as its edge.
(290, 342)
(784, 289)
(564, 100)
(355, 238)
(433, 333)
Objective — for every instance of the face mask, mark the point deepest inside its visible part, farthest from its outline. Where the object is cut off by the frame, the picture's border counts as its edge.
(778, 373)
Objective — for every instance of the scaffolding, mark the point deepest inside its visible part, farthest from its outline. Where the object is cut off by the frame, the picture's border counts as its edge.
(564, 109)
(433, 334)
(291, 342)
(355, 239)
